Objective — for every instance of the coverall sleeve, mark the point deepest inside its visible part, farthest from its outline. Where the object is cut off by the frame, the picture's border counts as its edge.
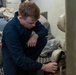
(17, 54)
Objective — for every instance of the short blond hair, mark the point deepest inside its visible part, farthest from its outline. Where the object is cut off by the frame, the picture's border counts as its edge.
(29, 9)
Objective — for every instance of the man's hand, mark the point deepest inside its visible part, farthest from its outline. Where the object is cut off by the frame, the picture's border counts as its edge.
(33, 40)
(50, 67)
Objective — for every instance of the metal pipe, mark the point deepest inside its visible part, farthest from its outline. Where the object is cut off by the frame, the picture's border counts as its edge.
(71, 37)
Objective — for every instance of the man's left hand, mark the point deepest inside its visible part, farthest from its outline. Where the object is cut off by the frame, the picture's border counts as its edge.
(32, 41)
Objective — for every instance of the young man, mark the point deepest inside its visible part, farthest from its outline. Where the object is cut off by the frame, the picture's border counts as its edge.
(20, 47)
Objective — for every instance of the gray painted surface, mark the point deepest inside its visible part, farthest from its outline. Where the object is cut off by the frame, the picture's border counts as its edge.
(3, 22)
(71, 36)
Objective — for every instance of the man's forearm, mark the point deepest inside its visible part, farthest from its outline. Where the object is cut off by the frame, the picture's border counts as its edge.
(35, 35)
(43, 67)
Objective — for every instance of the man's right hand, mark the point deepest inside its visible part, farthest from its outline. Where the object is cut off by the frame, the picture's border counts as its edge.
(50, 67)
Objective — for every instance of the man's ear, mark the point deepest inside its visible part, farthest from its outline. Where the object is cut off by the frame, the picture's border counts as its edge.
(19, 18)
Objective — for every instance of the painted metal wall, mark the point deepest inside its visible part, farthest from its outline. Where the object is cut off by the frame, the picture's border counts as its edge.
(55, 8)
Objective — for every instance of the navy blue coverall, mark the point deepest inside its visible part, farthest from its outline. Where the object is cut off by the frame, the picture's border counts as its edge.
(18, 59)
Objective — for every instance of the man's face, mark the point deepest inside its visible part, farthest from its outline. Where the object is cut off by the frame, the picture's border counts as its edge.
(28, 22)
